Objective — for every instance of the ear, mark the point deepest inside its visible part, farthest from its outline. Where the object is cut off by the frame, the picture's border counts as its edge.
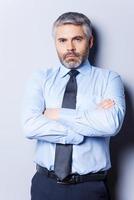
(91, 42)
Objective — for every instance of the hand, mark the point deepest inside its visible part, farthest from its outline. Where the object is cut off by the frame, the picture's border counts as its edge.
(107, 103)
(52, 113)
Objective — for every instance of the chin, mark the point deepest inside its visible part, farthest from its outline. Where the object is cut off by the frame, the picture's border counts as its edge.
(71, 64)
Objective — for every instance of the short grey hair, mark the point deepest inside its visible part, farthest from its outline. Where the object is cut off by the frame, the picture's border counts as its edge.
(74, 18)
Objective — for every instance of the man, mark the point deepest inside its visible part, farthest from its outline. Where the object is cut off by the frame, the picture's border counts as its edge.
(72, 111)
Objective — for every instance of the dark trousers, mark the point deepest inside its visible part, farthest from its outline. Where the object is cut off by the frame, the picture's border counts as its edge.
(45, 188)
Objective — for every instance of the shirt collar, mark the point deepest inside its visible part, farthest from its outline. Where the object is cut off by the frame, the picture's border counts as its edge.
(84, 69)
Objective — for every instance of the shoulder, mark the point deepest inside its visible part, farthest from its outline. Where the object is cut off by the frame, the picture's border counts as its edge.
(105, 73)
(46, 71)
(42, 74)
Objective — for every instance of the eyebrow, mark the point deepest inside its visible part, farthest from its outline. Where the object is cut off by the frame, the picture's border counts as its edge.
(62, 38)
(75, 37)
(78, 36)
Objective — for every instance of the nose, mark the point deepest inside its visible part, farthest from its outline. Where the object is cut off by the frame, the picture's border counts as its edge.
(70, 46)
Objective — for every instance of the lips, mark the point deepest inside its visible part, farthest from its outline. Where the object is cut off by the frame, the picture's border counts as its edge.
(70, 55)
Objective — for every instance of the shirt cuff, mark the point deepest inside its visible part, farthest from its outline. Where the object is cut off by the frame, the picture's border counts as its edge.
(72, 138)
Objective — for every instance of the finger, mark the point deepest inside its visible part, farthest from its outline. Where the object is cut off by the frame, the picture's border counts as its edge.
(108, 106)
(103, 101)
(107, 100)
(106, 103)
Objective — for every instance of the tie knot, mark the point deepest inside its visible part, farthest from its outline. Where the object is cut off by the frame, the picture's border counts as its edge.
(73, 72)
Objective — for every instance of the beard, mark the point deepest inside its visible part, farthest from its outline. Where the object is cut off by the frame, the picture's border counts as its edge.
(76, 59)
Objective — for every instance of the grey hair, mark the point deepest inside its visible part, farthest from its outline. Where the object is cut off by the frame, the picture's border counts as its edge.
(74, 18)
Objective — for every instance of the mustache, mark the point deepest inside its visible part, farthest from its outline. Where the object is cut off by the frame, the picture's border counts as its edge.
(71, 54)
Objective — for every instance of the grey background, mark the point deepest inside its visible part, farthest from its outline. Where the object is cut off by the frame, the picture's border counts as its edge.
(25, 45)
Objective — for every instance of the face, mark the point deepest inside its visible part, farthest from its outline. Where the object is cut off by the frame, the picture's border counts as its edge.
(72, 45)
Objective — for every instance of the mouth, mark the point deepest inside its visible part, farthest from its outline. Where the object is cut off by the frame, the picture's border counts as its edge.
(71, 56)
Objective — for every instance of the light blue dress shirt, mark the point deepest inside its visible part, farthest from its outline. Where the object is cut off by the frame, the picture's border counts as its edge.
(88, 128)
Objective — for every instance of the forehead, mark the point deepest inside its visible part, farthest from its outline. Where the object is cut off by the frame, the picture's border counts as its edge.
(69, 30)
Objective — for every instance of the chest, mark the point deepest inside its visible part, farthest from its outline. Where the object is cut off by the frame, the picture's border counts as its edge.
(90, 91)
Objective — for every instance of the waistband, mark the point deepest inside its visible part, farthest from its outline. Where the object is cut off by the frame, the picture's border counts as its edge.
(73, 178)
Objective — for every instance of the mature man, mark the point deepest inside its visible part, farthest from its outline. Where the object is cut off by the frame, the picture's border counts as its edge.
(72, 111)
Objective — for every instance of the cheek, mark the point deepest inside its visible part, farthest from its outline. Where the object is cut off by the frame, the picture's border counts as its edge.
(60, 53)
(60, 49)
(85, 49)
(82, 47)
(82, 51)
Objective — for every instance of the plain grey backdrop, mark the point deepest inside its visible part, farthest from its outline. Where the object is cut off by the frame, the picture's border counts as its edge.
(26, 44)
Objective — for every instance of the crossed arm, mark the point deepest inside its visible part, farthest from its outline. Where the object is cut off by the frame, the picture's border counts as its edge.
(102, 122)
(70, 126)
(53, 113)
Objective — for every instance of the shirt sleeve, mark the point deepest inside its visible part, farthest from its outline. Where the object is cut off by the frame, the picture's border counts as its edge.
(99, 122)
(35, 125)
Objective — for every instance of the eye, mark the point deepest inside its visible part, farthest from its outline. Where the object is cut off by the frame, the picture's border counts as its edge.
(62, 40)
(78, 39)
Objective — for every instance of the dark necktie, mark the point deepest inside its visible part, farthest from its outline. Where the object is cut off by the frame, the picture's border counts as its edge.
(63, 153)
